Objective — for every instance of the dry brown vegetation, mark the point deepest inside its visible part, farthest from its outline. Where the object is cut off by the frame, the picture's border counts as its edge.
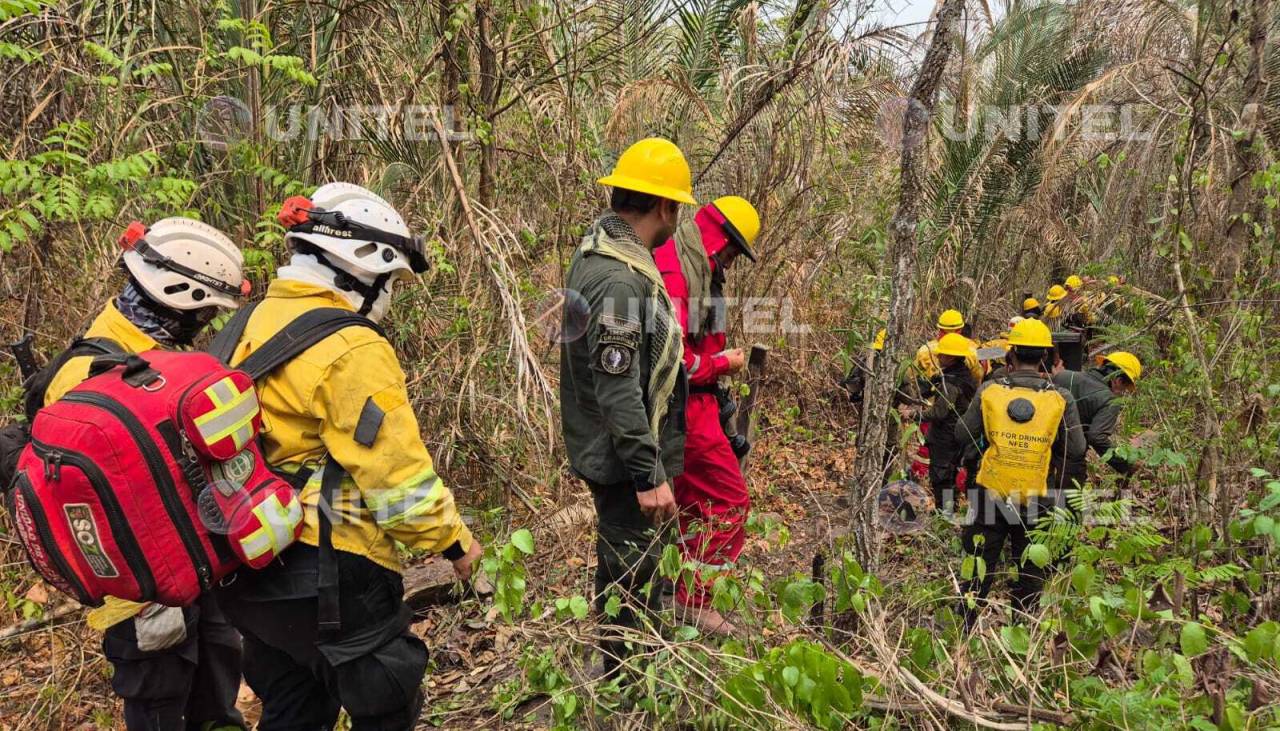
(113, 111)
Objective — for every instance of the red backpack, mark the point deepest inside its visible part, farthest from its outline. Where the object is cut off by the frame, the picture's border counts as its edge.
(146, 482)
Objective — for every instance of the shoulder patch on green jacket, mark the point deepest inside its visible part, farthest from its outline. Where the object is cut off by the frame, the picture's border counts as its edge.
(619, 331)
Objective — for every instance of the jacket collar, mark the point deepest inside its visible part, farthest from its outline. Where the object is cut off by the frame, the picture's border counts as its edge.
(294, 289)
(114, 326)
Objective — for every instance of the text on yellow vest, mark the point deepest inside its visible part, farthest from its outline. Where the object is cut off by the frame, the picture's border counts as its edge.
(1019, 439)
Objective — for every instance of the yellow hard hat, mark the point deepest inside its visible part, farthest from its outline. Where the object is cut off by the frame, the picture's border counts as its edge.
(1127, 362)
(654, 166)
(878, 343)
(1074, 282)
(954, 344)
(1030, 303)
(1030, 333)
(1056, 292)
(742, 222)
(1113, 280)
(950, 320)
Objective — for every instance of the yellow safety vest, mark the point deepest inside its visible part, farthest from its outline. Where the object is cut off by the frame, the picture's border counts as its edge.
(1021, 425)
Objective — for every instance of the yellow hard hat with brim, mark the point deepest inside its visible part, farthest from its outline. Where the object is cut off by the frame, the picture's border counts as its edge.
(1126, 362)
(654, 166)
(1030, 333)
(1074, 282)
(954, 344)
(1056, 292)
(742, 222)
(1030, 303)
(950, 320)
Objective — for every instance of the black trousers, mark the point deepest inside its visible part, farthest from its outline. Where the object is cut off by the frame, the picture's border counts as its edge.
(373, 667)
(990, 527)
(627, 553)
(944, 465)
(185, 686)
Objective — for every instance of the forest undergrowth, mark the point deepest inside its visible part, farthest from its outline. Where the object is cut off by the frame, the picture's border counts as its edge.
(488, 122)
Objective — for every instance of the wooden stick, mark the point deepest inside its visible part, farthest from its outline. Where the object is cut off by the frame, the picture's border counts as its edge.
(53, 615)
(746, 425)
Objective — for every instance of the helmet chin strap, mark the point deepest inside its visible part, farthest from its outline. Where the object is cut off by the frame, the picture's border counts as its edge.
(347, 282)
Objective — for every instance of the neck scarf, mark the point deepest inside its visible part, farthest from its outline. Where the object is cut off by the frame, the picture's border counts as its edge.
(165, 325)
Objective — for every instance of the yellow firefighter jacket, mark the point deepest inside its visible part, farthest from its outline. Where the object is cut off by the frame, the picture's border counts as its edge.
(927, 360)
(345, 398)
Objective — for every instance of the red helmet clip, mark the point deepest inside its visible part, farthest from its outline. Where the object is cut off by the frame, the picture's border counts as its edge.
(246, 287)
(294, 211)
(133, 233)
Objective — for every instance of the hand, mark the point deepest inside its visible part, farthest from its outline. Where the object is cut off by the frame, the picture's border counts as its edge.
(159, 627)
(658, 503)
(464, 567)
(736, 359)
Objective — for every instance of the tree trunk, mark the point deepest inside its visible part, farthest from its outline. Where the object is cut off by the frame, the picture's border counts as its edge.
(903, 247)
(488, 98)
(1243, 208)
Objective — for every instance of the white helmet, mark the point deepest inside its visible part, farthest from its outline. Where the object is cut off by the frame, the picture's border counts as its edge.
(356, 227)
(185, 264)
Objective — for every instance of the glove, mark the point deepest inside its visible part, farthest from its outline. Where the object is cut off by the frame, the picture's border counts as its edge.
(159, 627)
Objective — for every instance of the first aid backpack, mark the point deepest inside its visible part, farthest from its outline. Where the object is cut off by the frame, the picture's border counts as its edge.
(147, 482)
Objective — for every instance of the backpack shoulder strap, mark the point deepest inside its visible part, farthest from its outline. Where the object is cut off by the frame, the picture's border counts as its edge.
(225, 342)
(303, 332)
(35, 387)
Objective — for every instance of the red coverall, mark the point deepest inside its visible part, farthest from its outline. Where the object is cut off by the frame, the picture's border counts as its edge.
(712, 493)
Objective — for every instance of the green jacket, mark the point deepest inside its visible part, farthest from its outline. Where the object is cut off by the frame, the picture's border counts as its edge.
(1099, 412)
(604, 410)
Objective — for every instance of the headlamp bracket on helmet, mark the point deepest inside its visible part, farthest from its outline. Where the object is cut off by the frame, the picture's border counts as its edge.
(134, 239)
(299, 215)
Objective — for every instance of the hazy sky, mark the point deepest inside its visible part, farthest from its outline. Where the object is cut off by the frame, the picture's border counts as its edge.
(904, 12)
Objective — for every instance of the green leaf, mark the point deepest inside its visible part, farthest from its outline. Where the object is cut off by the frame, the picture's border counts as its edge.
(1016, 638)
(1038, 554)
(1192, 639)
(523, 540)
(1082, 578)
(612, 606)
(1260, 641)
(1263, 525)
(578, 605)
(1186, 676)
(791, 675)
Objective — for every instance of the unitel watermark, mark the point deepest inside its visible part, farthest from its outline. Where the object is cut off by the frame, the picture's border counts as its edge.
(225, 120)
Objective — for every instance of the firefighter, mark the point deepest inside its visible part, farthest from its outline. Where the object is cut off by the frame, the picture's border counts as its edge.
(952, 389)
(339, 423)
(173, 667)
(1053, 311)
(622, 385)
(855, 383)
(712, 493)
(1031, 308)
(950, 321)
(1097, 393)
(1079, 306)
(1024, 431)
